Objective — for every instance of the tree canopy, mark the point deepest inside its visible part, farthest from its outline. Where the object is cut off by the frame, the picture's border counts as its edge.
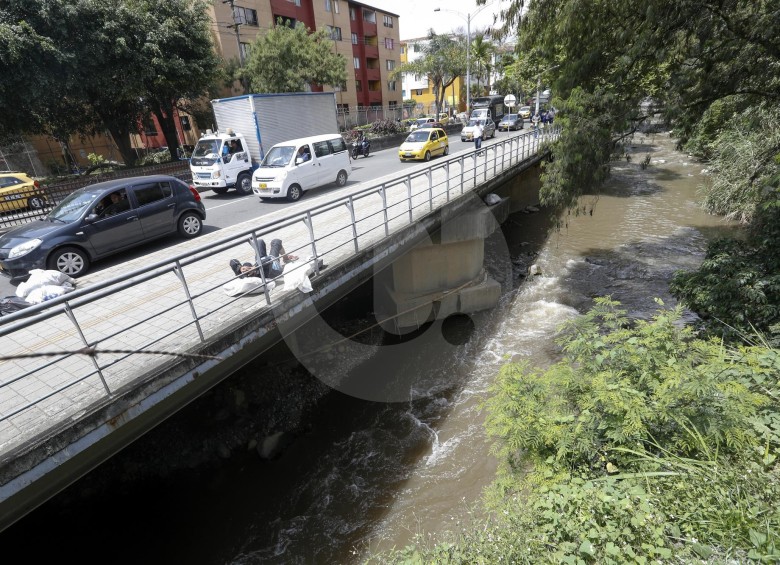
(443, 60)
(85, 66)
(291, 59)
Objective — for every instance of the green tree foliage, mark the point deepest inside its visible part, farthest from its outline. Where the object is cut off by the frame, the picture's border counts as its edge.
(290, 59)
(443, 60)
(737, 288)
(178, 58)
(711, 65)
(84, 66)
(687, 55)
(482, 51)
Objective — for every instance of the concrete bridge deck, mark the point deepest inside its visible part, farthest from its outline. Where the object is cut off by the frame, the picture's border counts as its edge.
(86, 374)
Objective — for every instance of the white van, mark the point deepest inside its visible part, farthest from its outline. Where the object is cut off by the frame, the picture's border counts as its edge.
(292, 167)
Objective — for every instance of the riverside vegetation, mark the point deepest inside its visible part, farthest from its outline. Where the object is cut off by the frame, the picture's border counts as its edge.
(650, 441)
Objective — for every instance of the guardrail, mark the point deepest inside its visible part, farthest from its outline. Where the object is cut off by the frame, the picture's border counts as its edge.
(73, 351)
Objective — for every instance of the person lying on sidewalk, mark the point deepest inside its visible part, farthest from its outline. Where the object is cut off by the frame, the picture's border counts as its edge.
(273, 263)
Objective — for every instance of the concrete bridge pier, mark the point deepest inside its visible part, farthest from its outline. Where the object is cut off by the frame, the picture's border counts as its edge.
(446, 275)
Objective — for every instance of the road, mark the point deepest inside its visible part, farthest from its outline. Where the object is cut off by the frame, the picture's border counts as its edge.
(227, 209)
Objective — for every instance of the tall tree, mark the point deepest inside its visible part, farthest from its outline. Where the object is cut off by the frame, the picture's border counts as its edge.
(291, 59)
(482, 51)
(713, 67)
(178, 59)
(443, 61)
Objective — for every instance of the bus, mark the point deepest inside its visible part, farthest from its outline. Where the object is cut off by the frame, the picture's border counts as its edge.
(485, 106)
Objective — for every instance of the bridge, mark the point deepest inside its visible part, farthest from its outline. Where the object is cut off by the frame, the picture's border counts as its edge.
(85, 374)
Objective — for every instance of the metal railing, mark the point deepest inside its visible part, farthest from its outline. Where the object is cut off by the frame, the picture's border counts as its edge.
(130, 324)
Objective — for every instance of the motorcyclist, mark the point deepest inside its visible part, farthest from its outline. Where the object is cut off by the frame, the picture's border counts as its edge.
(361, 145)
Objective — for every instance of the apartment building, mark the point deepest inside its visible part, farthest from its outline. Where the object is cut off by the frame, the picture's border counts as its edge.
(420, 89)
(368, 39)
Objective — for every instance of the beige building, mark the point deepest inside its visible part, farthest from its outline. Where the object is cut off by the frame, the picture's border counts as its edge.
(368, 39)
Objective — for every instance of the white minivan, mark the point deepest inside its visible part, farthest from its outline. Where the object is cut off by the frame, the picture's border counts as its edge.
(292, 167)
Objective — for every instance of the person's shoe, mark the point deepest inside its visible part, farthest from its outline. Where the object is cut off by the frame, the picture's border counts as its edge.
(236, 266)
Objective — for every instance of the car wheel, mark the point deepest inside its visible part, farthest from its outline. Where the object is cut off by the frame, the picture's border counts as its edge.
(220, 189)
(446, 150)
(427, 156)
(190, 224)
(244, 184)
(36, 202)
(341, 178)
(294, 193)
(71, 261)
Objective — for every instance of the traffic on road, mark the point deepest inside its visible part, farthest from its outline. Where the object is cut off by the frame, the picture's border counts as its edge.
(227, 208)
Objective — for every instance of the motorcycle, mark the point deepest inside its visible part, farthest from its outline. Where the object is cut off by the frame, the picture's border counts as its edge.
(360, 147)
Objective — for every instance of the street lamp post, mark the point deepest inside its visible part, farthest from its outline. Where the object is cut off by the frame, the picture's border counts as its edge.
(539, 86)
(468, 47)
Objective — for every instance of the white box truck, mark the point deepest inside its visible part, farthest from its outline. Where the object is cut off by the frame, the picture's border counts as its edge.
(250, 125)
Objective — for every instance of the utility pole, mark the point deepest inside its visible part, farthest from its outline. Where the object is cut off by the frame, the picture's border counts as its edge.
(236, 25)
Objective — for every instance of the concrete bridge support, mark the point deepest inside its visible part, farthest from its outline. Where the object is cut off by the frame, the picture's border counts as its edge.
(446, 275)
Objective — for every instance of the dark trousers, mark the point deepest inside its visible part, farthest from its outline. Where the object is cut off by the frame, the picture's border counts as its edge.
(270, 262)
(478, 143)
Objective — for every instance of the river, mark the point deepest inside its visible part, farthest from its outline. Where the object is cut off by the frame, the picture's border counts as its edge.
(367, 476)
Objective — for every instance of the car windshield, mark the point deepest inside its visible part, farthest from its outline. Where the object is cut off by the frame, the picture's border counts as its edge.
(278, 156)
(418, 136)
(473, 123)
(206, 147)
(509, 118)
(74, 205)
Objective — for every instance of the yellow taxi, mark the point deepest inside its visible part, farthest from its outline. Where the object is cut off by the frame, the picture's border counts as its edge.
(18, 191)
(424, 143)
(525, 112)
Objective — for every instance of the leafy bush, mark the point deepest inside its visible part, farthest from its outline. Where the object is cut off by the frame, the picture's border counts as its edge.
(386, 127)
(622, 387)
(736, 290)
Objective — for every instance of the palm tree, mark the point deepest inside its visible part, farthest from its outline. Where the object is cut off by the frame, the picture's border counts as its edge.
(481, 55)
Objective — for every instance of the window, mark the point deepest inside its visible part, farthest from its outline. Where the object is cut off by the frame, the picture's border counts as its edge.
(369, 16)
(334, 32)
(337, 145)
(354, 39)
(389, 43)
(336, 6)
(418, 92)
(356, 62)
(388, 21)
(150, 128)
(284, 21)
(321, 148)
(327, 6)
(390, 64)
(391, 85)
(358, 86)
(392, 103)
(152, 192)
(416, 47)
(296, 2)
(352, 15)
(403, 49)
(343, 108)
(245, 16)
(185, 123)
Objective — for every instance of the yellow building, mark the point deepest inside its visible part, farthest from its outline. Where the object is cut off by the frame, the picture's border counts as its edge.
(420, 88)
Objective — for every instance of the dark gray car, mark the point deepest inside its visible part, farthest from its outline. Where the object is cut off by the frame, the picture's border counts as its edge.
(99, 220)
